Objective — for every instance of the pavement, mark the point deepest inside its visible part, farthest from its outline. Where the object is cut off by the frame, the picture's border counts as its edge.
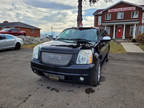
(131, 47)
(122, 85)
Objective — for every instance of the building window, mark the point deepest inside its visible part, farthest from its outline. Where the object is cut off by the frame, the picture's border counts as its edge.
(99, 20)
(141, 29)
(120, 15)
(135, 14)
(143, 18)
(108, 16)
(108, 30)
(131, 31)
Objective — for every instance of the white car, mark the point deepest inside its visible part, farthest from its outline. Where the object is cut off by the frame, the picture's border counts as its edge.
(8, 41)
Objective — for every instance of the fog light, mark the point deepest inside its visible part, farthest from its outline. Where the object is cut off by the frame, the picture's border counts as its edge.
(81, 78)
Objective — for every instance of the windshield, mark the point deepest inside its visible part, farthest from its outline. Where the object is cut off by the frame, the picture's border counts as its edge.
(83, 34)
(5, 29)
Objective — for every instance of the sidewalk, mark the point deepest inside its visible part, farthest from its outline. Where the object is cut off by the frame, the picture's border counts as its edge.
(131, 47)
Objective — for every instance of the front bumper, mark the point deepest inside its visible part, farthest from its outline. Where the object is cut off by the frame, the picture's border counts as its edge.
(71, 73)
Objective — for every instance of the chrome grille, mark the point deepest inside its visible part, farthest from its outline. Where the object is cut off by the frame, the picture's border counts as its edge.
(55, 58)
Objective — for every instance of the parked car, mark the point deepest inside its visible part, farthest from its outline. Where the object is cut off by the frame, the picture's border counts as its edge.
(8, 41)
(13, 31)
(76, 55)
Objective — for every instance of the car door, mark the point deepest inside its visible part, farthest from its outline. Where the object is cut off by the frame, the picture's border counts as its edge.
(3, 43)
(10, 41)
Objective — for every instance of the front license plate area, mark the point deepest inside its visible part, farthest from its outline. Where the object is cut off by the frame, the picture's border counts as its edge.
(55, 77)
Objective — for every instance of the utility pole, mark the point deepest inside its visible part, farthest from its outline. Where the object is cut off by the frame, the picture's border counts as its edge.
(52, 30)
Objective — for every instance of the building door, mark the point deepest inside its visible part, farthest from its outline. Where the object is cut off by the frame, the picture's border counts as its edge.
(119, 32)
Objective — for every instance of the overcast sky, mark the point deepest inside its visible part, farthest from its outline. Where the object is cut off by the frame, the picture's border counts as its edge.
(46, 13)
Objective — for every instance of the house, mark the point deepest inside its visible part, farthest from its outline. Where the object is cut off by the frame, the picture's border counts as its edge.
(30, 30)
(122, 20)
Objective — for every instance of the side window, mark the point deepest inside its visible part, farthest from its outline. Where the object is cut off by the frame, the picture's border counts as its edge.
(9, 37)
(2, 37)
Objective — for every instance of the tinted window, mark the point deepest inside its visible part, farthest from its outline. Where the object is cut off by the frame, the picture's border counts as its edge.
(87, 34)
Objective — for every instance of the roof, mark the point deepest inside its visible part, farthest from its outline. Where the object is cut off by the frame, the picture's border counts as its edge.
(17, 24)
(98, 11)
(102, 10)
(82, 28)
(142, 5)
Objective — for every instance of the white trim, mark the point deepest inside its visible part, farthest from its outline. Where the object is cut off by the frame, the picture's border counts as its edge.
(142, 17)
(114, 31)
(134, 32)
(105, 27)
(123, 37)
(117, 23)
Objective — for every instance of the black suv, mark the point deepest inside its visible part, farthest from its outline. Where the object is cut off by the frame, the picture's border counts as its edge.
(76, 55)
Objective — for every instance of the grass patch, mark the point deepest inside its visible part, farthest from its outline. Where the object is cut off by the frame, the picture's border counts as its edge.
(141, 45)
(30, 45)
(116, 48)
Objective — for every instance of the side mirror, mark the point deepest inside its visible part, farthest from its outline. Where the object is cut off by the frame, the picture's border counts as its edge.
(106, 38)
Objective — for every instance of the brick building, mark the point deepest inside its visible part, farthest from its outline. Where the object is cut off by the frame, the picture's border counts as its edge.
(30, 30)
(122, 20)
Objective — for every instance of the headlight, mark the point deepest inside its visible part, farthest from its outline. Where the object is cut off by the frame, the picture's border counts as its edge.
(85, 57)
(36, 51)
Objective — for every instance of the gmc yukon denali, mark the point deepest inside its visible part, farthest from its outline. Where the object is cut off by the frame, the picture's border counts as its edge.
(76, 55)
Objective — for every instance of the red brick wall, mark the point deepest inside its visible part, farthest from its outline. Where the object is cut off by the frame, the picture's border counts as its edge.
(31, 32)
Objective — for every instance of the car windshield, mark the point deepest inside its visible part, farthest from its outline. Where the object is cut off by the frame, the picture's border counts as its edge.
(79, 34)
(5, 29)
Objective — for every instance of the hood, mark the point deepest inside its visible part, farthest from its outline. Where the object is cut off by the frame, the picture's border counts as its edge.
(70, 44)
(64, 47)
(60, 46)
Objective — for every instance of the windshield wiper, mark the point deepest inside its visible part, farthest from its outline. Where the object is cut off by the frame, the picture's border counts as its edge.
(63, 39)
(77, 40)
(82, 41)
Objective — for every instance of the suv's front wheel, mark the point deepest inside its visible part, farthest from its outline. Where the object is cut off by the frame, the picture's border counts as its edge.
(96, 75)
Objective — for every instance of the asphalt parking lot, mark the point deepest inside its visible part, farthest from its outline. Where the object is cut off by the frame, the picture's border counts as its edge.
(122, 85)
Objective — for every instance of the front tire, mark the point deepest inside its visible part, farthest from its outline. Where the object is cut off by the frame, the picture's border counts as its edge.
(17, 46)
(96, 75)
(107, 58)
